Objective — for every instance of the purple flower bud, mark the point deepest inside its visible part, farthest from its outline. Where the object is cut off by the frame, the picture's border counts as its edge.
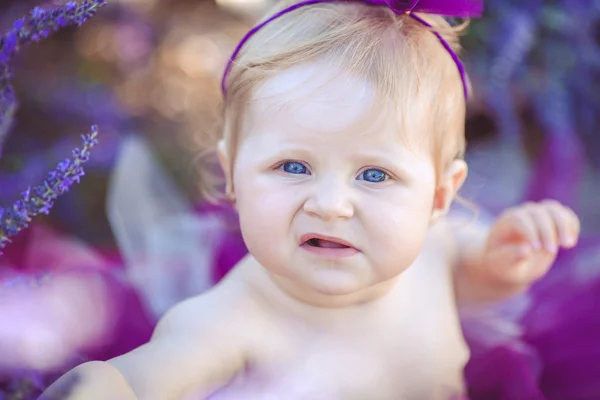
(63, 165)
(26, 194)
(37, 12)
(19, 207)
(62, 21)
(10, 42)
(18, 24)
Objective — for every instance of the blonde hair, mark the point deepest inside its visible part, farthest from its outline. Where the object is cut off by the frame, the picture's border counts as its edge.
(406, 63)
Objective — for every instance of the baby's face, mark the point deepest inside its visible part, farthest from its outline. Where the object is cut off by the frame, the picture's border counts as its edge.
(330, 198)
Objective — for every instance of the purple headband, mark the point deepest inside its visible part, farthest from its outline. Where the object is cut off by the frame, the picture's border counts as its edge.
(450, 8)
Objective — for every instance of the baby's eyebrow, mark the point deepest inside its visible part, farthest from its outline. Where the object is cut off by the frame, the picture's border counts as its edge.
(289, 151)
(299, 149)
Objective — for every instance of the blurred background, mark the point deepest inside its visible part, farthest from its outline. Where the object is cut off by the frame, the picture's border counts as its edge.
(119, 244)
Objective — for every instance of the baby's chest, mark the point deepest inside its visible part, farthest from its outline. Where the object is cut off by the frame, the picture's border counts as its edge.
(335, 370)
(316, 371)
(345, 369)
(410, 349)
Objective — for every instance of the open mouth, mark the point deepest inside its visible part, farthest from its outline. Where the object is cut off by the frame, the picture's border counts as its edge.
(328, 247)
(327, 244)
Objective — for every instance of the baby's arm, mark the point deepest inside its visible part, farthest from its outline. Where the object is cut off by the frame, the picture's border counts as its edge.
(497, 261)
(191, 352)
(94, 380)
(467, 240)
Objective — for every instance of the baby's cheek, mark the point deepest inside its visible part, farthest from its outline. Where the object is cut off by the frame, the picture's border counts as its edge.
(263, 200)
(398, 238)
(265, 221)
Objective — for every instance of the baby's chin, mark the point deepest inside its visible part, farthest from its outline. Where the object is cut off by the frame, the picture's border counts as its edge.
(338, 288)
(335, 282)
(329, 285)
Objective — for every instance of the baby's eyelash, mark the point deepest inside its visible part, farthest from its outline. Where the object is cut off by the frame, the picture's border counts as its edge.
(387, 175)
(296, 167)
(380, 175)
(293, 167)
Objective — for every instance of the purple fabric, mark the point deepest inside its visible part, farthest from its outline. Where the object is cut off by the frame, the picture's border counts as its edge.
(453, 8)
(232, 247)
(40, 250)
(557, 356)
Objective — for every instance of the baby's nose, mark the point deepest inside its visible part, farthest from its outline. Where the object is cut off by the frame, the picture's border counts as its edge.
(330, 201)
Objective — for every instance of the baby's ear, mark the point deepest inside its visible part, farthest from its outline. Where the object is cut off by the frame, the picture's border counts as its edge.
(450, 182)
(224, 161)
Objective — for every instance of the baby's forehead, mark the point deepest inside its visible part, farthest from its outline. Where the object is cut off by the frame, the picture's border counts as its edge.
(320, 101)
(314, 97)
(315, 80)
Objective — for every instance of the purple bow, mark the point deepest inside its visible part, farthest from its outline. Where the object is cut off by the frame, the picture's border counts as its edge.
(453, 8)
(449, 8)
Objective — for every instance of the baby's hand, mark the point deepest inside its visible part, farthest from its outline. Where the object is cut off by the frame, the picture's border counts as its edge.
(524, 241)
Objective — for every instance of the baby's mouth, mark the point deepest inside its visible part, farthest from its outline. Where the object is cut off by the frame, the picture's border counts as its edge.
(318, 241)
(327, 247)
(327, 244)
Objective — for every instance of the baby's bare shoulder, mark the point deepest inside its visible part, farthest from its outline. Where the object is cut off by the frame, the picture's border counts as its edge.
(93, 380)
(196, 348)
(222, 309)
(207, 312)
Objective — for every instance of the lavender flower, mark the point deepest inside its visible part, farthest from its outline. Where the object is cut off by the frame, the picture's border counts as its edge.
(40, 199)
(39, 24)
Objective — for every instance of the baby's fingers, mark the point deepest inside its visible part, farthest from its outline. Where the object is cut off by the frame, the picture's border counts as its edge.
(511, 263)
(546, 227)
(566, 222)
(522, 224)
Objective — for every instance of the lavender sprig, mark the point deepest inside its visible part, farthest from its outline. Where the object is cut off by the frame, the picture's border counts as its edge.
(39, 24)
(40, 198)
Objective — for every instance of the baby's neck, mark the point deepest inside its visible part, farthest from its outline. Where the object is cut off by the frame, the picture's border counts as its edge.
(313, 298)
(292, 297)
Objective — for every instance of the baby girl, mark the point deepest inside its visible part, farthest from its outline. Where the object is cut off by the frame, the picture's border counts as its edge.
(342, 149)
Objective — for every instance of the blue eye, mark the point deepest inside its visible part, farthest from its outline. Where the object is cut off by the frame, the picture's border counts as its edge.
(373, 175)
(293, 167)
